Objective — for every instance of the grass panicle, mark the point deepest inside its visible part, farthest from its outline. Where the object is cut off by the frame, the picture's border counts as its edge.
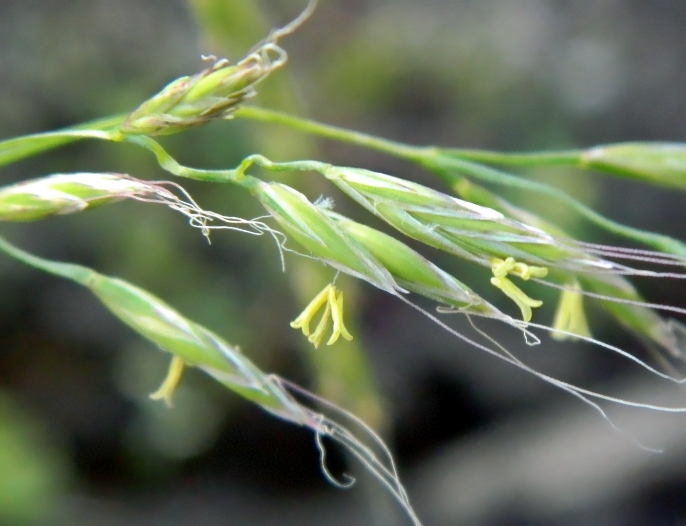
(478, 226)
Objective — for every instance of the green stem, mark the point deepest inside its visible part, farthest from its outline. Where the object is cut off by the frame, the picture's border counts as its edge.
(168, 163)
(107, 129)
(396, 149)
(406, 151)
(13, 150)
(18, 148)
(70, 271)
(290, 166)
(561, 157)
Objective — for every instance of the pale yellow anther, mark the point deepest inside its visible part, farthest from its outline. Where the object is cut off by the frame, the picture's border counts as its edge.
(332, 317)
(570, 316)
(524, 271)
(303, 321)
(316, 337)
(501, 268)
(339, 329)
(166, 390)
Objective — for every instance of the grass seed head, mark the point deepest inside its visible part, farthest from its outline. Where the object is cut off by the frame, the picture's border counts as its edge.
(311, 227)
(67, 193)
(474, 232)
(622, 301)
(462, 228)
(658, 163)
(214, 93)
(414, 272)
(191, 344)
(365, 252)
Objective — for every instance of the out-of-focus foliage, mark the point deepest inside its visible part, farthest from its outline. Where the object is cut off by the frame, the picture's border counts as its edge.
(34, 471)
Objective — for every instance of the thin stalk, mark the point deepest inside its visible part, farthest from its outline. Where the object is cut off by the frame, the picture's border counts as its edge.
(554, 158)
(18, 148)
(406, 151)
(70, 271)
(396, 149)
(171, 165)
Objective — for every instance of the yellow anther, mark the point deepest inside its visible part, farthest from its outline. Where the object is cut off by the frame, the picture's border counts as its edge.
(332, 317)
(502, 267)
(524, 271)
(303, 321)
(316, 337)
(339, 329)
(524, 302)
(570, 316)
(166, 390)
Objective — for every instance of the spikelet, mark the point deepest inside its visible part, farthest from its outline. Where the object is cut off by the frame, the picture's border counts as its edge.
(454, 225)
(614, 291)
(214, 93)
(310, 226)
(657, 163)
(366, 253)
(68, 193)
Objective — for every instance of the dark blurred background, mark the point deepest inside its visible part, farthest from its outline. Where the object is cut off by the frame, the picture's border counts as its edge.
(478, 442)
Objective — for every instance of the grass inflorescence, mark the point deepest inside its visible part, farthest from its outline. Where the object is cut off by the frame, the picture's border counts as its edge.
(512, 247)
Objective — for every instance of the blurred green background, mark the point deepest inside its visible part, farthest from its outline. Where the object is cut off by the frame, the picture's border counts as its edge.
(478, 442)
